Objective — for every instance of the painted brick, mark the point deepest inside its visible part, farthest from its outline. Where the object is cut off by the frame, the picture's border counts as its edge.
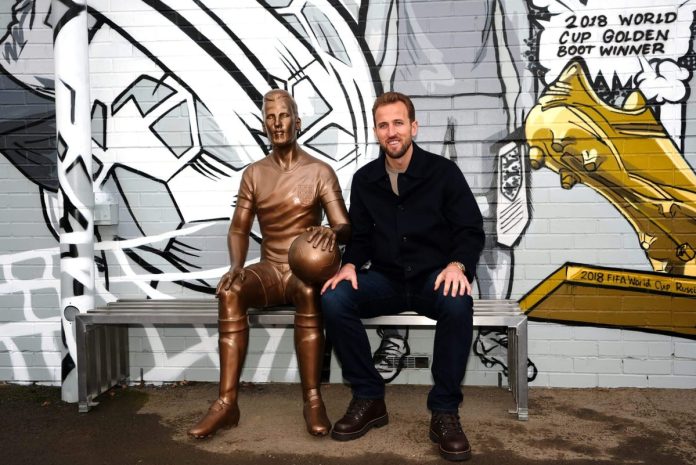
(678, 382)
(549, 331)
(47, 359)
(30, 375)
(649, 367)
(685, 349)
(135, 344)
(537, 347)
(207, 345)
(541, 380)
(629, 335)
(481, 378)
(574, 255)
(554, 364)
(546, 242)
(29, 343)
(685, 367)
(581, 348)
(158, 374)
(610, 349)
(596, 365)
(574, 380)
(200, 374)
(636, 349)
(616, 381)
(596, 334)
(146, 360)
(170, 344)
(661, 349)
(195, 360)
(577, 225)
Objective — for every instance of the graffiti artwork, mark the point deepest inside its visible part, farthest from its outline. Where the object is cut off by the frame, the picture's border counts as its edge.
(625, 146)
(598, 99)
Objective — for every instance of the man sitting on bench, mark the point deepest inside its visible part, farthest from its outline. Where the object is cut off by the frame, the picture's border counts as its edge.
(415, 219)
(287, 191)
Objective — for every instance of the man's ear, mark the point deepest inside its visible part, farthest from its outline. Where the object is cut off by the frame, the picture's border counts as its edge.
(414, 128)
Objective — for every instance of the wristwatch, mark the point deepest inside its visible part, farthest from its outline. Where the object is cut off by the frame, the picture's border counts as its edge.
(459, 265)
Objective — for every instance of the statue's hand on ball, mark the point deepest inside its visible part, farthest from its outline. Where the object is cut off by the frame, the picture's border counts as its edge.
(321, 236)
(313, 255)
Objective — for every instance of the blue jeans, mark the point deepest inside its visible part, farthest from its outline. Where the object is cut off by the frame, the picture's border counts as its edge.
(377, 295)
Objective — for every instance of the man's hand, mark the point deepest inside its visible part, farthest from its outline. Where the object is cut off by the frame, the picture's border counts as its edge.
(321, 235)
(453, 278)
(346, 273)
(228, 278)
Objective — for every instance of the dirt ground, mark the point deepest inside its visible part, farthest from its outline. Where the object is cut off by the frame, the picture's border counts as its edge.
(148, 426)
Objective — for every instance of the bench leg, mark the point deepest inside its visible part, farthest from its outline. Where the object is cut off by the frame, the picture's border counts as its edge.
(521, 382)
(82, 355)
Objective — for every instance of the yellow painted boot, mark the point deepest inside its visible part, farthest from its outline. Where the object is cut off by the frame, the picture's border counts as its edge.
(626, 156)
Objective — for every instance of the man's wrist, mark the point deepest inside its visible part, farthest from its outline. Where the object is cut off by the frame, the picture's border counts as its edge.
(459, 265)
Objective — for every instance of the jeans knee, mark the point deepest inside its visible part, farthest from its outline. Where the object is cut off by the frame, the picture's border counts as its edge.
(457, 309)
(335, 302)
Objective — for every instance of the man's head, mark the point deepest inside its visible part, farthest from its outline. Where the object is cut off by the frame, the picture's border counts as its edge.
(388, 98)
(395, 124)
(281, 119)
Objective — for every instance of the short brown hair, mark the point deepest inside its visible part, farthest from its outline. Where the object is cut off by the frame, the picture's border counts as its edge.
(388, 98)
(280, 93)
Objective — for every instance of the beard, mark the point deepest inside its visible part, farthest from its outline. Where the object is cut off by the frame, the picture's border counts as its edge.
(399, 153)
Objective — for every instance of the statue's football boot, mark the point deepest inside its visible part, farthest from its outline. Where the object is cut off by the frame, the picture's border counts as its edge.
(626, 156)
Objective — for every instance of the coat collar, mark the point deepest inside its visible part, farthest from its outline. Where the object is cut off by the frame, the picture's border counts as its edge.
(416, 168)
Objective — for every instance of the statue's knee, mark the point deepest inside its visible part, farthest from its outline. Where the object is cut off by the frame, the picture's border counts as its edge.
(230, 305)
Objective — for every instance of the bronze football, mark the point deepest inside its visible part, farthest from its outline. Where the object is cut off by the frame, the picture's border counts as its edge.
(312, 265)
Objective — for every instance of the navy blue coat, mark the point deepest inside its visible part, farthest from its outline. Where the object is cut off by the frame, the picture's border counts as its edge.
(435, 219)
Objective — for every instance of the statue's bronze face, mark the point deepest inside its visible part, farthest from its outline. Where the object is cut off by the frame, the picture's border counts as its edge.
(281, 124)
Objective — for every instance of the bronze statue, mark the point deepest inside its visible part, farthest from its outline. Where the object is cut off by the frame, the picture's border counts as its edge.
(286, 191)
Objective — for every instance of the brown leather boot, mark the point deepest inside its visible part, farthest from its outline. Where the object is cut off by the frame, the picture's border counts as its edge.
(309, 347)
(224, 412)
(446, 431)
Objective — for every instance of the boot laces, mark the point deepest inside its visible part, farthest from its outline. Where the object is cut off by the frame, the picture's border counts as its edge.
(358, 407)
(449, 423)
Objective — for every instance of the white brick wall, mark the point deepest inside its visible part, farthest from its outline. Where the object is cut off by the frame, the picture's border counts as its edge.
(567, 225)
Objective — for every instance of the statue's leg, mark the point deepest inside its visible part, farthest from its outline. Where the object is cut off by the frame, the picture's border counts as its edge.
(233, 339)
(309, 347)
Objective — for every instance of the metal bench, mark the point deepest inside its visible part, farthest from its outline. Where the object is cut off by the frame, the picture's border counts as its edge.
(102, 337)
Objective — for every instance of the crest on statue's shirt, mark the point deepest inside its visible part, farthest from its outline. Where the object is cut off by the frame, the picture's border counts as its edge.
(305, 192)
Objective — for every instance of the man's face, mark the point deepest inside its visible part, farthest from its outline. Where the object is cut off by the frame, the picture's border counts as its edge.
(281, 124)
(394, 130)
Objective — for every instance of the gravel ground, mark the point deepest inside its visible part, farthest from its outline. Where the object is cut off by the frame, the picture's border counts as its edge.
(147, 425)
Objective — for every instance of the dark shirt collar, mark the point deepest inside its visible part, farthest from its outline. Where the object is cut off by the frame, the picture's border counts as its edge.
(416, 167)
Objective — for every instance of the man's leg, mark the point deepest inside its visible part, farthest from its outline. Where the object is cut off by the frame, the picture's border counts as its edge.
(309, 343)
(343, 308)
(233, 339)
(453, 335)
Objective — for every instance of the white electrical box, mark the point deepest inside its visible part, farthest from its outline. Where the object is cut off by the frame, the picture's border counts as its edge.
(105, 209)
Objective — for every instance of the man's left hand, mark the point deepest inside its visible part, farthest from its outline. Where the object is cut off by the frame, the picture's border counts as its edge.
(453, 279)
(322, 236)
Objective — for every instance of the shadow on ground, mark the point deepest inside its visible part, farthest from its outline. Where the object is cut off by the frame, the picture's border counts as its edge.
(148, 426)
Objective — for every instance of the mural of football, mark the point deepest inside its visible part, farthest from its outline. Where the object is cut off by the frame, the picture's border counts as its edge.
(312, 264)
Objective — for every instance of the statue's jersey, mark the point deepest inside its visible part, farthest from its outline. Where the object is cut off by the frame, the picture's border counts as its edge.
(286, 203)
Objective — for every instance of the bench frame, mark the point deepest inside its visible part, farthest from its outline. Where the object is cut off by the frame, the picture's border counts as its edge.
(103, 352)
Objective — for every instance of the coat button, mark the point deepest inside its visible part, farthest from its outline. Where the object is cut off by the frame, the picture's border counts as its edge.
(404, 238)
(409, 268)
